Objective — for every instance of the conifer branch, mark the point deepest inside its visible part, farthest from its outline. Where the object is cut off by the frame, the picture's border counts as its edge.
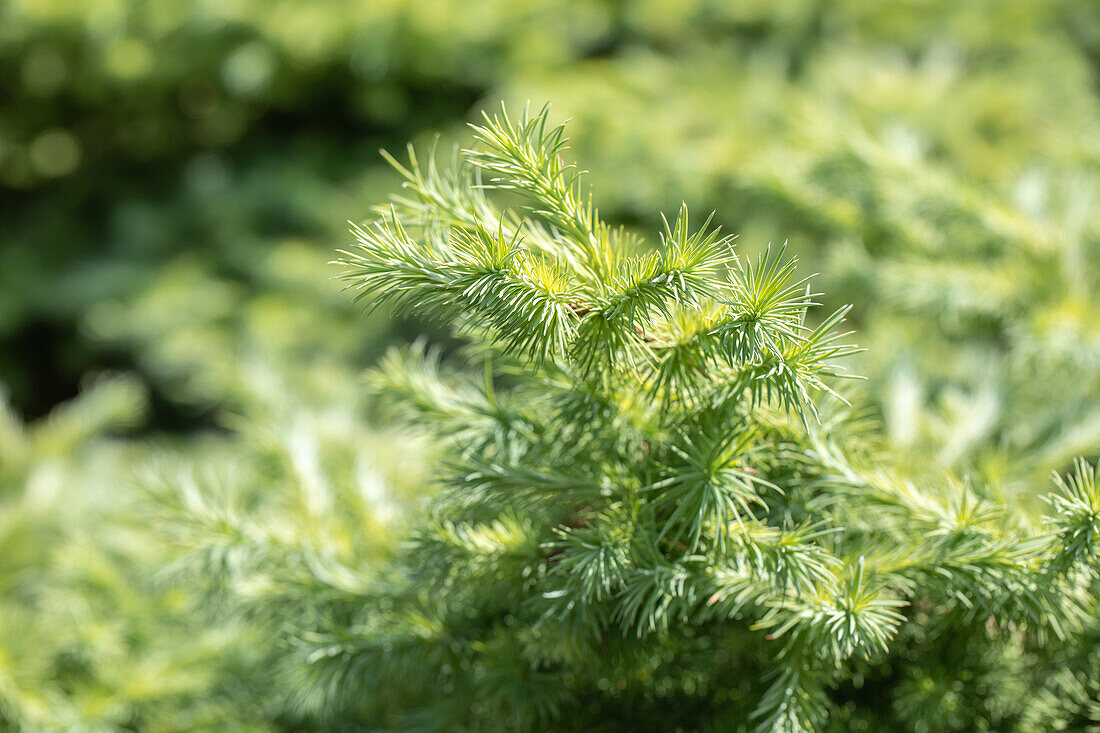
(639, 479)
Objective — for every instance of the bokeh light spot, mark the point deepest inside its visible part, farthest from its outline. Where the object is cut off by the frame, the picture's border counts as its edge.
(55, 152)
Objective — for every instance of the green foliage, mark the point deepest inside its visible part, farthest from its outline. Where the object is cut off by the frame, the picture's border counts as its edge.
(1077, 517)
(88, 639)
(938, 167)
(139, 133)
(174, 176)
(603, 504)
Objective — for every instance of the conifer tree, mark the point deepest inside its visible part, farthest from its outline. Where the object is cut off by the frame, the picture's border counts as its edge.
(656, 510)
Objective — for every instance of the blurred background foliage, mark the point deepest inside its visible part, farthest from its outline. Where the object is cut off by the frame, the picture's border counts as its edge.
(175, 174)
